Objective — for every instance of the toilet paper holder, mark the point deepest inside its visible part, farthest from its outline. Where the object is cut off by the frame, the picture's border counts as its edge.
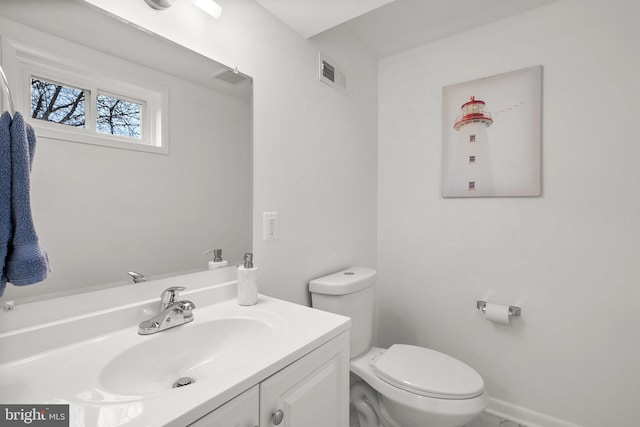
(513, 310)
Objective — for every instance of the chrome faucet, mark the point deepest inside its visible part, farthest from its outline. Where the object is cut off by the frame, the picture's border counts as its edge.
(172, 313)
(137, 277)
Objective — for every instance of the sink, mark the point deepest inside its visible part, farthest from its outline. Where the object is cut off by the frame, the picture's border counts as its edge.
(201, 351)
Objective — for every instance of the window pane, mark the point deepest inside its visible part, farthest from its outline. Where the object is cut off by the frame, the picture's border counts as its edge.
(119, 117)
(54, 102)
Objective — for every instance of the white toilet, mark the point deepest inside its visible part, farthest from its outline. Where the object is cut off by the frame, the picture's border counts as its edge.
(405, 385)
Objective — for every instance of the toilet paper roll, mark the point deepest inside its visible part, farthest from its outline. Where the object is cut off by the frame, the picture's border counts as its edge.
(497, 313)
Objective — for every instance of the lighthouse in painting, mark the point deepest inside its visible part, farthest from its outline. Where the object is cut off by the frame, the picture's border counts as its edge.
(471, 172)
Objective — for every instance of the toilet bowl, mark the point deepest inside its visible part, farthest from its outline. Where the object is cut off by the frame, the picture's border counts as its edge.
(415, 386)
(405, 385)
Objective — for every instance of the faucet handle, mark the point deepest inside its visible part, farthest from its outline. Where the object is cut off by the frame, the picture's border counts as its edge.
(170, 295)
(137, 277)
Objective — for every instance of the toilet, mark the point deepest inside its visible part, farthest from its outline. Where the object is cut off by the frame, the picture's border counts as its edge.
(404, 385)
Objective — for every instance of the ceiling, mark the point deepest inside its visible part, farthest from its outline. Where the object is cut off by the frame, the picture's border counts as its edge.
(391, 26)
(311, 17)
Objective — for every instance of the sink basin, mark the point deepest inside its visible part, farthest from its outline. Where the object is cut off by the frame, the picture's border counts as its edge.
(201, 351)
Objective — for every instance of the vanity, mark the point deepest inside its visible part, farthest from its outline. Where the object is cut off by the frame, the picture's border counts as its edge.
(273, 363)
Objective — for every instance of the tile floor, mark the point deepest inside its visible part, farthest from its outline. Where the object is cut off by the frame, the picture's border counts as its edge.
(488, 420)
(483, 420)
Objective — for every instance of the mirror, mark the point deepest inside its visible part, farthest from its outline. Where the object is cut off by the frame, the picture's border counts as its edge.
(101, 212)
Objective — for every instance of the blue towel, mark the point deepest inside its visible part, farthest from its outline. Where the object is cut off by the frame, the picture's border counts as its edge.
(27, 262)
(5, 195)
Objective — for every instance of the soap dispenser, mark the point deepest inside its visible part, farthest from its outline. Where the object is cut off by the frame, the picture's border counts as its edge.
(247, 282)
(217, 260)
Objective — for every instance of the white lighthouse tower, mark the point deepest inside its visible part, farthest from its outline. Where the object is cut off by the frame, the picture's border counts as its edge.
(471, 171)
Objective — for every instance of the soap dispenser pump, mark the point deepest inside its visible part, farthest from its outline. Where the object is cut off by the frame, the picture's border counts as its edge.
(217, 260)
(247, 281)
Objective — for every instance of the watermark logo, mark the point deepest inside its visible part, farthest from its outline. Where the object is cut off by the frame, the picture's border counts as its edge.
(34, 415)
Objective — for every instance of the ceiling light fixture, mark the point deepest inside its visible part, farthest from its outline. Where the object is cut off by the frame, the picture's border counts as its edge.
(160, 4)
(210, 7)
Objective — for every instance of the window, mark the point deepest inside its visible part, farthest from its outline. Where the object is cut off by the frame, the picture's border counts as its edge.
(472, 185)
(472, 138)
(91, 102)
(472, 159)
(118, 116)
(63, 104)
(57, 103)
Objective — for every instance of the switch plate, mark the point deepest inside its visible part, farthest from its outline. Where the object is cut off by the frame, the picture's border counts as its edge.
(270, 230)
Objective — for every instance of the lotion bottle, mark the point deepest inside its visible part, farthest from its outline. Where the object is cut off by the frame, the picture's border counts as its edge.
(247, 282)
(217, 260)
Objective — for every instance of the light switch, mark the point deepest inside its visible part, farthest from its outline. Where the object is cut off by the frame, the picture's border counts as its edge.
(270, 229)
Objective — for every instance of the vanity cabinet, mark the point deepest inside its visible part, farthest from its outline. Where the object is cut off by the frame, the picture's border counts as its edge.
(313, 391)
(241, 411)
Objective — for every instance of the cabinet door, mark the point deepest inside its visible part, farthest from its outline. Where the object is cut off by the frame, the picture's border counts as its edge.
(241, 411)
(311, 392)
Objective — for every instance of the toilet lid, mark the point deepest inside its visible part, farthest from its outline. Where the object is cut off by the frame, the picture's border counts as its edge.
(427, 372)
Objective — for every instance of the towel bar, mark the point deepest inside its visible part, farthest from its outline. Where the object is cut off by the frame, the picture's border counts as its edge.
(5, 85)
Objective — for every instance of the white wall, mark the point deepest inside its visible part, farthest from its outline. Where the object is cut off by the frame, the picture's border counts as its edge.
(568, 259)
(315, 153)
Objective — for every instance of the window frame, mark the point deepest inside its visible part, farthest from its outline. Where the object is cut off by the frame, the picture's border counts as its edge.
(52, 66)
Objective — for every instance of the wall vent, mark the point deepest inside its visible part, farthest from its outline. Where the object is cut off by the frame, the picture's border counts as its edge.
(331, 73)
(231, 76)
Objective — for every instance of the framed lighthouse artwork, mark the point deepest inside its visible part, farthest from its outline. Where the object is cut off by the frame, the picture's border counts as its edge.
(491, 136)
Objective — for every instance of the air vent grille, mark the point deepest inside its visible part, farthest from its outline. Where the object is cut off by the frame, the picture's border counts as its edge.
(331, 73)
(231, 77)
(328, 71)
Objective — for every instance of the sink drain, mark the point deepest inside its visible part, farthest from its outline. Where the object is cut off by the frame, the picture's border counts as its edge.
(183, 382)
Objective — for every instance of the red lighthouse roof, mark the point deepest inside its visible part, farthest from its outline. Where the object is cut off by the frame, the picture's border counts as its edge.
(473, 101)
(472, 112)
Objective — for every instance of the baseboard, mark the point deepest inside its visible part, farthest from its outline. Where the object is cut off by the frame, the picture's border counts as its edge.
(524, 416)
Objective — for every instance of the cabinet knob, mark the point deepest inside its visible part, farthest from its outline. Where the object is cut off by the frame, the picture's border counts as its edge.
(277, 417)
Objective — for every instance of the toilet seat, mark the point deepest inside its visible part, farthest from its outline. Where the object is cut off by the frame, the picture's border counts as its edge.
(426, 372)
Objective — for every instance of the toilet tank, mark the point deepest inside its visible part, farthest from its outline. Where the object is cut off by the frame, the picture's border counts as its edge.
(349, 293)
